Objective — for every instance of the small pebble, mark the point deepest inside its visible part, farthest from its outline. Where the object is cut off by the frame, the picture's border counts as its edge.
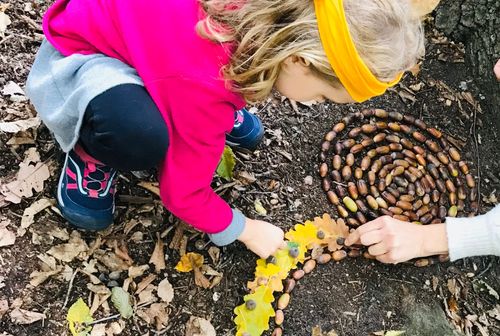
(103, 277)
(112, 284)
(199, 244)
(308, 180)
(115, 275)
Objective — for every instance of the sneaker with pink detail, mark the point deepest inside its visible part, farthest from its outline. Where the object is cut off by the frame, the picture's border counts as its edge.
(86, 191)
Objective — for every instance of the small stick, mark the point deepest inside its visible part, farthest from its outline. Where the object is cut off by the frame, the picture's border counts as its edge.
(70, 287)
(101, 320)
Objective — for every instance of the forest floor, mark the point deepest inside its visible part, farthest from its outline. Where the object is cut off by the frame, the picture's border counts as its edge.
(46, 266)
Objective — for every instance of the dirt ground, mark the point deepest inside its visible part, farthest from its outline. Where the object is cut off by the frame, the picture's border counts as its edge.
(354, 297)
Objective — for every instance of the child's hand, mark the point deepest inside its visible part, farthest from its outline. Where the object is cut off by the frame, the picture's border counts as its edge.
(496, 70)
(393, 241)
(261, 237)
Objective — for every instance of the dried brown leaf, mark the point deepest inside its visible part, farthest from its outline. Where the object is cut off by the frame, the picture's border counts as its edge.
(21, 316)
(158, 256)
(7, 237)
(198, 326)
(30, 212)
(4, 307)
(165, 291)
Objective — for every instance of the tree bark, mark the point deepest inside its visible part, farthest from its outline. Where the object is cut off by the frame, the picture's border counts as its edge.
(476, 23)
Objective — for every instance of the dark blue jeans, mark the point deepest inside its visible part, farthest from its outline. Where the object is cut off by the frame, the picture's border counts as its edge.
(124, 129)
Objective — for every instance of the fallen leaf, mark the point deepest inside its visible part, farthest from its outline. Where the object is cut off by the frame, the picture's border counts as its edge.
(137, 271)
(11, 88)
(147, 296)
(7, 237)
(21, 316)
(115, 328)
(67, 252)
(316, 331)
(111, 260)
(157, 313)
(29, 177)
(38, 277)
(4, 22)
(19, 125)
(255, 321)
(150, 186)
(165, 291)
(481, 286)
(4, 307)
(495, 312)
(197, 326)
(30, 212)
(145, 283)
(200, 280)
(332, 229)
(78, 314)
(158, 256)
(259, 207)
(226, 164)
(189, 261)
(98, 330)
(121, 301)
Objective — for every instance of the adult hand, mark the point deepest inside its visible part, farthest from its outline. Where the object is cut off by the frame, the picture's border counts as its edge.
(496, 69)
(394, 241)
(261, 237)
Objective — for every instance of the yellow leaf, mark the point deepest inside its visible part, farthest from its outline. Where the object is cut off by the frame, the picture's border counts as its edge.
(304, 234)
(332, 229)
(255, 321)
(79, 313)
(189, 261)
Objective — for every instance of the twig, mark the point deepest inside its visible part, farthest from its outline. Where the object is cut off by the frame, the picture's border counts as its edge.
(486, 269)
(69, 287)
(101, 320)
(474, 134)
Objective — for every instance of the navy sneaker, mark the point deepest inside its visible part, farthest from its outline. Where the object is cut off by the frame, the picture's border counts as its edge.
(86, 191)
(247, 131)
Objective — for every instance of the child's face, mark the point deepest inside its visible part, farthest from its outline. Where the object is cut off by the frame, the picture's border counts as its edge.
(297, 81)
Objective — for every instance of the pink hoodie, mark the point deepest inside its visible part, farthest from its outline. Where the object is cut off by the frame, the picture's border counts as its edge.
(181, 71)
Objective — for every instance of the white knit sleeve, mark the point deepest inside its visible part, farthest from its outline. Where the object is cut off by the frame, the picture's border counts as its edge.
(474, 236)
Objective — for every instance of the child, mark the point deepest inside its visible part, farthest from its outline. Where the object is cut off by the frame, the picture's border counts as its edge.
(394, 241)
(129, 84)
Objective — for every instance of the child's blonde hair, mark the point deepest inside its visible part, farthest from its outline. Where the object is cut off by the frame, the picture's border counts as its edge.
(387, 36)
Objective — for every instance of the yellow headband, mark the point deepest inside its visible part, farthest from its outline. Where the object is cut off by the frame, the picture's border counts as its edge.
(352, 72)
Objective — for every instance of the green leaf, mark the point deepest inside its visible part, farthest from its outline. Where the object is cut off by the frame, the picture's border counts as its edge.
(394, 333)
(121, 301)
(226, 164)
(78, 314)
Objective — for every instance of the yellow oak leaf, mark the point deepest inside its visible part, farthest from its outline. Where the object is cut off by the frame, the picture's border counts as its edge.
(252, 317)
(78, 314)
(331, 229)
(189, 261)
(304, 234)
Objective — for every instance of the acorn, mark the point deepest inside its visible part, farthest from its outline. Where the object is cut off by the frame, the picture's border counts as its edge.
(372, 202)
(381, 113)
(326, 184)
(337, 162)
(289, 285)
(401, 218)
(435, 133)
(452, 211)
(367, 142)
(381, 125)
(396, 116)
(339, 127)
(379, 137)
(283, 301)
(443, 158)
(419, 136)
(433, 146)
(324, 258)
(358, 173)
(309, 266)
(368, 128)
(354, 132)
(348, 143)
(333, 198)
(250, 304)
(450, 186)
(389, 197)
(350, 204)
(357, 148)
(339, 147)
(381, 203)
(349, 159)
(409, 119)
(407, 144)
(325, 146)
(471, 183)
(336, 176)
(396, 210)
(405, 129)
(404, 205)
(342, 211)
(298, 274)
(330, 136)
(323, 169)
(279, 317)
(339, 255)
(362, 187)
(421, 124)
(346, 173)
(463, 167)
(454, 154)
(419, 150)
(354, 253)
(365, 162)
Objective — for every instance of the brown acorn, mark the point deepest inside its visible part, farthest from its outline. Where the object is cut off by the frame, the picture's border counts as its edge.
(435, 133)
(298, 274)
(453, 198)
(339, 255)
(417, 205)
(381, 113)
(455, 155)
(381, 125)
(336, 176)
(367, 142)
(443, 158)
(337, 162)
(381, 185)
(326, 184)
(471, 183)
(325, 146)
(426, 219)
(374, 191)
(433, 146)
(309, 266)
(354, 253)
(419, 136)
(443, 171)
(407, 143)
(396, 210)
(330, 136)
(389, 197)
(463, 167)
(450, 186)
(368, 128)
(356, 148)
(340, 190)
(409, 119)
(393, 138)
(372, 202)
(277, 332)
(376, 165)
(421, 160)
(338, 127)
(346, 173)
(324, 258)
(371, 177)
(361, 206)
(348, 143)
(283, 301)
(342, 211)
(421, 124)
(349, 159)
(452, 169)
(405, 129)
(382, 203)
(354, 132)
(353, 190)
(404, 205)
(401, 218)
(419, 150)
(396, 116)
(407, 198)
(379, 137)
(395, 147)
(339, 148)
(289, 285)
(323, 169)
(394, 127)
(279, 317)
(362, 187)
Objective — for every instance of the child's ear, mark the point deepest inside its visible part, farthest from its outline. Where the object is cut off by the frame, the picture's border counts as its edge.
(296, 63)
(423, 7)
